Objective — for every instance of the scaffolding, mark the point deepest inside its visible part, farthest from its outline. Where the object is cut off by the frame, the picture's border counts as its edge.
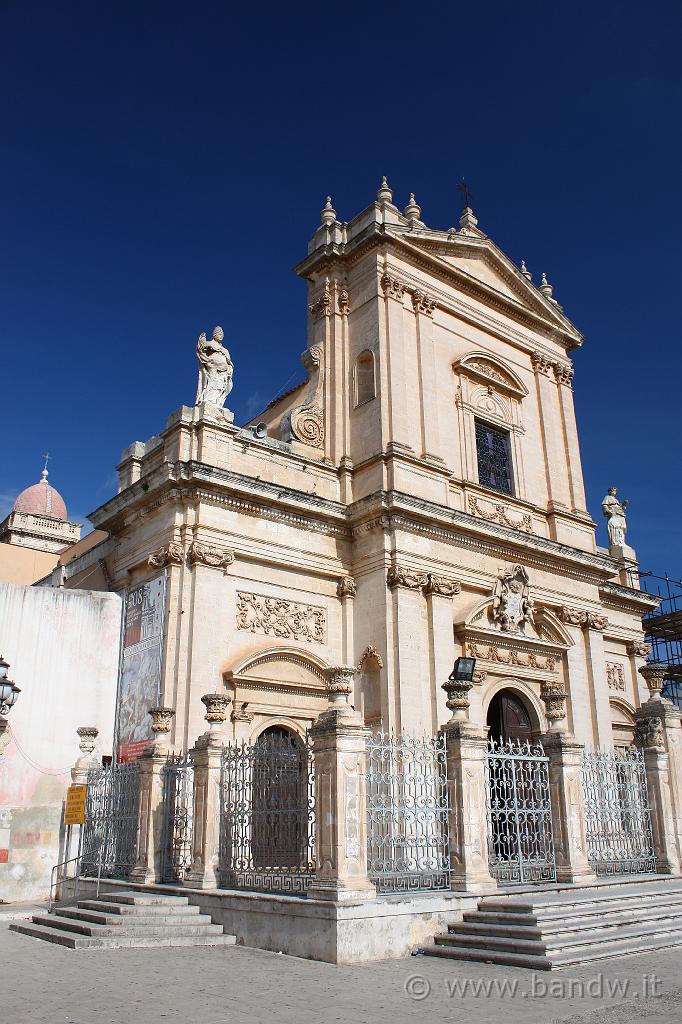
(663, 630)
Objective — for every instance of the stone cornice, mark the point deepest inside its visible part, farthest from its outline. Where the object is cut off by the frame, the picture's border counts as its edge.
(616, 595)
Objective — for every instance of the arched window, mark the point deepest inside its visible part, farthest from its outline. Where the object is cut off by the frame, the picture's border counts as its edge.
(365, 378)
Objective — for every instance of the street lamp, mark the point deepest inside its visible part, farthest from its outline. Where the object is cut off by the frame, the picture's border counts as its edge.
(9, 692)
(457, 688)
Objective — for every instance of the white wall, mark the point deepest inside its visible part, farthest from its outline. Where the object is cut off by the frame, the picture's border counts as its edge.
(62, 646)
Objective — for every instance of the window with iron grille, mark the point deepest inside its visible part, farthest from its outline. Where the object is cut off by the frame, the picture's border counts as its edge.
(494, 461)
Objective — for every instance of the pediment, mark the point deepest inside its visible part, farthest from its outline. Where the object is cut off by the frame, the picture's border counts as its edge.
(282, 667)
(484, 367)
(545, 629)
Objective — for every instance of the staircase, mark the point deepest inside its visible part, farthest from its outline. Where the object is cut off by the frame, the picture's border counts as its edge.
(545, 930)
(125, 919)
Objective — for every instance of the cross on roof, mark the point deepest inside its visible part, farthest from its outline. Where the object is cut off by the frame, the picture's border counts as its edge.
(468, 196)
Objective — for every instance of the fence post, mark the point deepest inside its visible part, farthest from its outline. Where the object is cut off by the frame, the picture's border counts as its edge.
(147, 867)
(658, 733)
(340, 751)
(567, 796)
(207, 757)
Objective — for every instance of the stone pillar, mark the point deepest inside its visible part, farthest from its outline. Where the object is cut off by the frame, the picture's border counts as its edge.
(565, 755)
(148, 865)
(659, 734)
(466, 747)
(340, 752)
(207, 756)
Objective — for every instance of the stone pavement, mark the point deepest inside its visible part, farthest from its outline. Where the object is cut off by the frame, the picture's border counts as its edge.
(217, 985)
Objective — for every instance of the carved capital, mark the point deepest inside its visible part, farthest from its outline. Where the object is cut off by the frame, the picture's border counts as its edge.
(343, 301)
(441, 585)
(322, 306)
(398, 576)
(206, 554)
(564, 373)
(597, 622)
(172, 554)
(585, 619)
(638, 648)
(423, 303)
(346, 587)
(542, 363)
(393, 288)
(340, 683)
(161, 720)
(457, 691)
(553, 695)
(216, 706)
(88, 736)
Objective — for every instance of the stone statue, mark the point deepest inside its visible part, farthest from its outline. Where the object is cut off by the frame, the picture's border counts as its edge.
(512, 603)
(614, 511)
(215, 370)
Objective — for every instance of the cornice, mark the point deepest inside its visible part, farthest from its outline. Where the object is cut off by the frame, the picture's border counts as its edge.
(616, 595)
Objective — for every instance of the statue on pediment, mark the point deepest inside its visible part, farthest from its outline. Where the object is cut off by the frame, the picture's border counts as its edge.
(215, 370)
(513, 606)
(616, 522)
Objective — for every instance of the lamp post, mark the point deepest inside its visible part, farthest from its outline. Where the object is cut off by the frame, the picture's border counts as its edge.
(9, 692)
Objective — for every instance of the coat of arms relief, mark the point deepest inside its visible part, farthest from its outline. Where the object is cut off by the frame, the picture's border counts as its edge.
(512, 607)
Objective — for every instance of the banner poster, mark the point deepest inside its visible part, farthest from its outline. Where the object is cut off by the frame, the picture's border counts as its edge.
(140, 674)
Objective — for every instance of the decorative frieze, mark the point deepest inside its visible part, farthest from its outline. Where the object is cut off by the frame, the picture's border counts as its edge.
(498, 514)
(423, 303)
(585, 619)
(346, 587)
(615, 676)
(273, 616)
(171, 554)
(206, 554)
(505, 656)
(638, 648)
(392, 287)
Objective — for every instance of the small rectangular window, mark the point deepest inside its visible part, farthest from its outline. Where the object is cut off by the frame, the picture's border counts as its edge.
(494, 461)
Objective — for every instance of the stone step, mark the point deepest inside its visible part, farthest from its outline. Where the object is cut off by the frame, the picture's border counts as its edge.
(84, 928)
(502, 942)
(120, 920)
(535, 961)
(526, 924)
(133, 910)
(597, 939)
(625, 947)
(539, 905)
(144, 899)
(557, 911)
(118, 941)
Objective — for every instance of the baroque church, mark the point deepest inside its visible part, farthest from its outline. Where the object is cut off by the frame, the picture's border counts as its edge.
(418, 498)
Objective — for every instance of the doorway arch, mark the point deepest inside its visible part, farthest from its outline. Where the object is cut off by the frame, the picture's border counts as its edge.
(508, 718)
(279, 799)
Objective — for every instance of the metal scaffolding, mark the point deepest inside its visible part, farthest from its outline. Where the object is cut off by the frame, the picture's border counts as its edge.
(663, 629)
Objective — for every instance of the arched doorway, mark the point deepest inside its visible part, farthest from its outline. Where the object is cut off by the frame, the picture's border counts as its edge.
(507, 718)
(279, 799)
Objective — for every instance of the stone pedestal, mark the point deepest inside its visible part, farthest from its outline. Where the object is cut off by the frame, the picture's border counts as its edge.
(466, 754)
(659, 734)
(565, 755)
(340, 752)
(207, 757)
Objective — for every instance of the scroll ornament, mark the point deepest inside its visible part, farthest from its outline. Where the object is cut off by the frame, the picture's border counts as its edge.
(306, 422)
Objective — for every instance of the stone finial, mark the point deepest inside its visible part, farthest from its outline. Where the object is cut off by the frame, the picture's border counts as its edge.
(553, 695)
(525, 271)
(328, 214)
(412, 211)
(88, 737)
(216, 713)
(468, 219)
(384, 195)
(457, 691)
(654, 674)
(545, 287)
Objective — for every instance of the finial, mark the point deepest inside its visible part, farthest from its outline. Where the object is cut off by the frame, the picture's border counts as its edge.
(525, 271)
(468, 220)
(412, 211)
(328, 215)
(545, 286)
(43, 475)
(384, 195)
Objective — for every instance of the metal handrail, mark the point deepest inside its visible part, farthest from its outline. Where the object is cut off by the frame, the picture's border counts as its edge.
(54, 883)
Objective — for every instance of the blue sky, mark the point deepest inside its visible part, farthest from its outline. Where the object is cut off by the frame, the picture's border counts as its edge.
(164, 165)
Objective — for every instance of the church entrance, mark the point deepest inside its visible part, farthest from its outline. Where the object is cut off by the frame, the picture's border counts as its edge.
(519, 812)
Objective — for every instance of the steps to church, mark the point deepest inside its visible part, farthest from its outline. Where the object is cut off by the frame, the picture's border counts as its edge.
(126, 919)
(567, 927)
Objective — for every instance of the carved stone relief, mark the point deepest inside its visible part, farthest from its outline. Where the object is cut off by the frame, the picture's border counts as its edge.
(306, 422)
(207, 554)
(503, 656)
(393, 288)
(512, 608)
(172, 554)
(615, 675)
(637, 648)
(498, 514)
(277, 617)
(346, 587)
(580, 617)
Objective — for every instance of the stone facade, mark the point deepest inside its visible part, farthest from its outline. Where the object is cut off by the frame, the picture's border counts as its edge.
(352, 525)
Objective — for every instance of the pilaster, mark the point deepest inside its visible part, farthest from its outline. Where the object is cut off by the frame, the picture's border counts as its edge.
(466, 759)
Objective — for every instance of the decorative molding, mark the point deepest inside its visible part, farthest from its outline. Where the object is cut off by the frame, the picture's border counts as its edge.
(638, 648)
(399, 576)
(346, 587)
(615, 675)
(370, 652)
(277, 617)
(392, 287)
(206, 554)
(504, 656)
(441, 585)
(585, 619)
(499, 515)
(423, 303)
(171, 554)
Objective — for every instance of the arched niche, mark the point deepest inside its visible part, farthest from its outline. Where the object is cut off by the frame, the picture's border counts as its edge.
(364, 378)
(368, 686)
(622, 722)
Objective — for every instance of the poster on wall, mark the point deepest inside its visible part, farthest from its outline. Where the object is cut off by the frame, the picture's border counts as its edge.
(140, 674)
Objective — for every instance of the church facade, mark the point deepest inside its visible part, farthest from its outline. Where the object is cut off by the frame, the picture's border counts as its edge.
(420, 497)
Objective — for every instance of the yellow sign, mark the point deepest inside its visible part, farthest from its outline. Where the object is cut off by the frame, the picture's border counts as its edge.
(74, 812)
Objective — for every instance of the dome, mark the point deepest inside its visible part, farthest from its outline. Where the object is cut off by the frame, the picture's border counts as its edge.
(41, 499)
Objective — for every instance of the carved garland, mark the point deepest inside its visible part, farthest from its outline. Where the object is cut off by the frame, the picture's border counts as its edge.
(206, 554)
(286, 619)
(499, 515)
(502, 656)
(586, 619)
(428, 582)
(615, 676)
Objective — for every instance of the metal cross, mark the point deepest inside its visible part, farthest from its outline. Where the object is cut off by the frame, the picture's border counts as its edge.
(46, 456)
(464, 189)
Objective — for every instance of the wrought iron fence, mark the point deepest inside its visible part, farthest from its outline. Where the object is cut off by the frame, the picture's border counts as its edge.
(519, 812)
(267, 835)
(178, 817)
(617, 812)
(111, 821)
(407, 813)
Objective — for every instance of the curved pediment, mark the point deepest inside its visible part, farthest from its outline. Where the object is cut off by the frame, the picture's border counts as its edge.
(281, 665)
(488, 369)
(545, 625)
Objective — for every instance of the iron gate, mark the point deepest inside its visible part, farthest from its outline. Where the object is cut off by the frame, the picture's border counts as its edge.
(178, 817)
(111, 821)
(617, 812)
(407, 813)
(519, 812)
(267, 834)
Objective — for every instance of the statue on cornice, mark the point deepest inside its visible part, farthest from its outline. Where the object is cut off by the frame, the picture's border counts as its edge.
(215, 370)
(616, 522)
(512, 604)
